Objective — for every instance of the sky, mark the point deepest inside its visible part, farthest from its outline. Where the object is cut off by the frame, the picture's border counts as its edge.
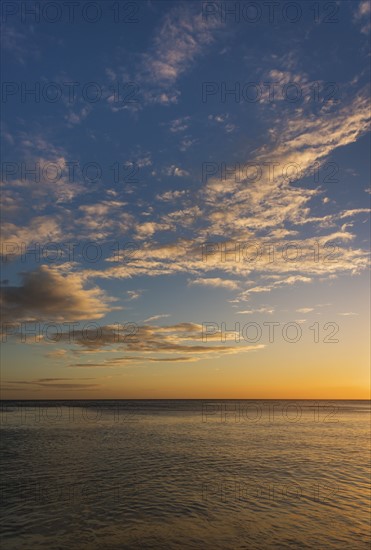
(185, 200)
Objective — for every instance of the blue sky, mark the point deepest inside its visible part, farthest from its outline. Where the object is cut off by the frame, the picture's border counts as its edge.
(143, 151)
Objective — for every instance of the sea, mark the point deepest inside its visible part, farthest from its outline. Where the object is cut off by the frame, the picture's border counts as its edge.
(185, 474)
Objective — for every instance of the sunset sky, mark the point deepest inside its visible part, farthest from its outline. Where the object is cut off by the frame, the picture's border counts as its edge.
(188, 178)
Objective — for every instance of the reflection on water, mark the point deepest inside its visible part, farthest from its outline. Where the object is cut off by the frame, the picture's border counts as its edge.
(185, 474)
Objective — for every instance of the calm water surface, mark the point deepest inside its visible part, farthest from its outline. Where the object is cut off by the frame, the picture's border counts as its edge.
(185, 474)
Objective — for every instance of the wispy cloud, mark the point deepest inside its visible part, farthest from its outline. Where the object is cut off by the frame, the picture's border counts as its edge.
(134, 294)
(362, 16)
(181, 38)
(155, 343)
(156, 317)
(55, 383)
(215, 282)
(268, 310)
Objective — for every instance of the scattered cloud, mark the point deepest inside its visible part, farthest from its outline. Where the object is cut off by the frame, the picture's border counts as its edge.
(176, 171)
(362, 16)
(171, 196)
(186, 143)
(179, 124)
(134, 294)
(182, 37)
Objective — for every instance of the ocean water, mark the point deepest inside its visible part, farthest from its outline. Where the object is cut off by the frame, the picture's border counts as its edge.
(185, 474)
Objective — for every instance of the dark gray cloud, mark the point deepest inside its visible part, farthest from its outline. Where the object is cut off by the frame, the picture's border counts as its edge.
(47, 294)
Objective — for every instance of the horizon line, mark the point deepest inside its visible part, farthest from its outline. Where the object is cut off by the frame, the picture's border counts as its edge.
(192, 399)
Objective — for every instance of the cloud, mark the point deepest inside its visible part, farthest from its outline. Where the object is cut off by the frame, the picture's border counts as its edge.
(41, 229)
(176, 171)
(134, 294)
(215, 282)
(362, 16)
(134, 360)
(187, 256)
(104, 218)
(182, 37)
(364, 8)
(144, 161)
(179, 124)
(268, 310)
(54, 383)
(170, 196)
(19, 44)
(182, 341)
(219, 118)
(155, 317)
(47, 294)
(291, 280)
(222, 119)
(57, 354)
(53, 179)
(354, 212)
(268, 202)
(305, 310)
(74, 118)
(148, 229)
(266, 212)
(186, 143)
